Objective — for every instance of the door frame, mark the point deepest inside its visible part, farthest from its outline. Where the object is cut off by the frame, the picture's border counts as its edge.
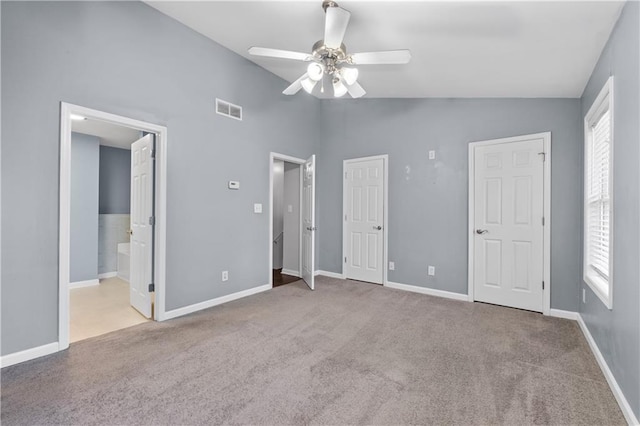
(300, 162)
(385, 209)
(546, 138)
(66, 109)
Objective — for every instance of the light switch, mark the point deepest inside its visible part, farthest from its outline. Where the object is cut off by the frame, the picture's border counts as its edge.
(290, 208)
(234, 184)
(257, 208)
(432, 155)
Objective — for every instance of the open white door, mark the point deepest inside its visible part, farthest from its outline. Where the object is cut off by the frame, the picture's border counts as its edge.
(308, 221)
(141, 266)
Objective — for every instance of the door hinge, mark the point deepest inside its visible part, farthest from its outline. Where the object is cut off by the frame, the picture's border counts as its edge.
(345, 259)
(152, 288)
(345, 217)
(153, 153)
(543, 285)
(544, 156)
(152, 220)
(542, 220)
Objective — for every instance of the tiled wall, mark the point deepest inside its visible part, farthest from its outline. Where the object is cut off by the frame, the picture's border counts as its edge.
(112, 229)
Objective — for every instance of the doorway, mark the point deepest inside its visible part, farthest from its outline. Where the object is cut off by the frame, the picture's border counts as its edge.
(509, 222)
(291, 219)
(364, 237)
(123, 274)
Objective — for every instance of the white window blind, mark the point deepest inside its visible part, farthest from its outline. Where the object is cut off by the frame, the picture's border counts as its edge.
(598, 197)
(598, 204)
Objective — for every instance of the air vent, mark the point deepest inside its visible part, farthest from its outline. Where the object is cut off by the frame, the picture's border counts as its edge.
(228, 109)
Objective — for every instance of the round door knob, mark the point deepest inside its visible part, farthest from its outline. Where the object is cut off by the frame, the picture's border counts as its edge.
(377, 227)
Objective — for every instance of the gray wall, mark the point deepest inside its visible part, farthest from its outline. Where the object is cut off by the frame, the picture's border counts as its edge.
(84, 208)
(617, 331)
(428, 198)
(291, 243)
(115, 180)
(151, 68)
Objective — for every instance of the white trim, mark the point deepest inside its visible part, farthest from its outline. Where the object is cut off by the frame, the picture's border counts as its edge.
(28, 354)
(86, 283)
(613, 384)
(289, 159)
(329, 274)
(66, 110)
(428, 291)
(605, 97)
(385, 201)
(546, 137)
(559, 313)
(107, 275)
(214, 302)
(291, 272)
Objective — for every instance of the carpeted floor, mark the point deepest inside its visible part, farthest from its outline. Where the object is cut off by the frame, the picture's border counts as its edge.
(347, 353)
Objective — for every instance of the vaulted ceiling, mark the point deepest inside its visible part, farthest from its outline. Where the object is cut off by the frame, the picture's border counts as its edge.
(459, 49)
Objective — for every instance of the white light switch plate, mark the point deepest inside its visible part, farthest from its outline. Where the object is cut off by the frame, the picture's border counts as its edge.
(392, 266)
(432, 155)
(290, 208)
(257, 208)
(432, 270)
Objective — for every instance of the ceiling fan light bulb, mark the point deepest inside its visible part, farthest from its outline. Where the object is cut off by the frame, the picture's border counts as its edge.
(350, 75)
(339, 89)
(315, 71)
(308, 85)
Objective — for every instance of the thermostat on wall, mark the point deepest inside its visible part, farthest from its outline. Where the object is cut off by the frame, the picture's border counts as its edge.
(234, 184)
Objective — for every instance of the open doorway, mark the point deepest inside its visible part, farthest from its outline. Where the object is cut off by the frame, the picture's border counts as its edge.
(112, 227)
(292, 219)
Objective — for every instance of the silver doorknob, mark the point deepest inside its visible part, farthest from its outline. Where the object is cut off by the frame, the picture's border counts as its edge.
(481, 231)
(377, 227)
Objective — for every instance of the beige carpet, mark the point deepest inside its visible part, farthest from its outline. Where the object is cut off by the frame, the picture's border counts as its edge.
(347, 353)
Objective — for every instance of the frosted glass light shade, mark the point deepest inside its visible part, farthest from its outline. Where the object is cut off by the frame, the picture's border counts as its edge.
(349, 75)
(339, 89)
(308, 84)
(315, 71)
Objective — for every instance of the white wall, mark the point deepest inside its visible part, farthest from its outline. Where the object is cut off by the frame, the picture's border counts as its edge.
(291, 243)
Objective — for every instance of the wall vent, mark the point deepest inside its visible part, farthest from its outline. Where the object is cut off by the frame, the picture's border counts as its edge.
(228, 109)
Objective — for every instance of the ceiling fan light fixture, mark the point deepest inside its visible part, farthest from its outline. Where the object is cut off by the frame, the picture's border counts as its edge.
(315, 71)
(339, 89)
(349, 75)
(308, 84)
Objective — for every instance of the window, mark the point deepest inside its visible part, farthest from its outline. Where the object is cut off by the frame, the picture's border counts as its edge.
(598, 151)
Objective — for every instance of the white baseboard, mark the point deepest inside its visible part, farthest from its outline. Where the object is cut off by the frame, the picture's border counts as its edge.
(87, 283)
(613, 384)
(291, 272)
(559, 313)
(28, 354)
(213, 302)
(107, 275)
(329, 274)
(428, 291)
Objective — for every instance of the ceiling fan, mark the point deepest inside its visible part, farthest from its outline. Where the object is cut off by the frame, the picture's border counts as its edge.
(329, 58)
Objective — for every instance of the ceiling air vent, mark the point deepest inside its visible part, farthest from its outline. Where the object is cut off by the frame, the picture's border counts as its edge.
(228, 109)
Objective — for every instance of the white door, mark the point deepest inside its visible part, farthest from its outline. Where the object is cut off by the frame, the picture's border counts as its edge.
(508, 224)
(141, 265)
(364, 217)
(308, 221)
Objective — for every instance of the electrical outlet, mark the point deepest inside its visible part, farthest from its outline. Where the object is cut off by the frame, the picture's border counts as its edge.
(225, 276)
(432, 155)
(392, 266)
(584, 295)
(432, 270)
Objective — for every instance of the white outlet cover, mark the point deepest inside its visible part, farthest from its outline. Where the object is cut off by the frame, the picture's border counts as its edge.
(432, 270)
(392, 266)
(432, 155)
(257, 208)
(225, 275)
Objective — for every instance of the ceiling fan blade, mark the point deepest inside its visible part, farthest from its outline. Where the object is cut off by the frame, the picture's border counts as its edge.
(386, 57)
(295, 86)
(335, 26)
(277, 53)
(356, 91)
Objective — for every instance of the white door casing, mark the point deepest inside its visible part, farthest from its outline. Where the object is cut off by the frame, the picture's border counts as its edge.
(308, 221)
(507, 235)
(141, 265)
(364, 219)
